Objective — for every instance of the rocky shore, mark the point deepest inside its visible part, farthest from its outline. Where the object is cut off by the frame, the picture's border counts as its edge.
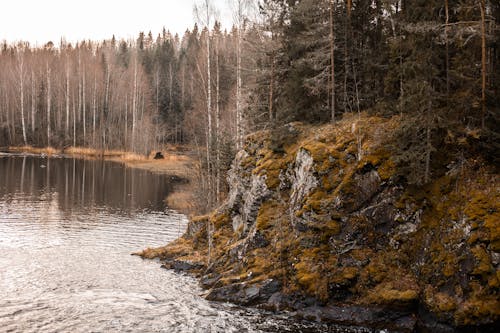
(319, 221)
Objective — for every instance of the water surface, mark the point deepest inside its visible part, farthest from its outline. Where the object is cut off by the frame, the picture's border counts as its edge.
(67, 228)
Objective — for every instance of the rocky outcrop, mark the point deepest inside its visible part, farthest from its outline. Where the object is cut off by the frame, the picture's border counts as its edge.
(314, 228)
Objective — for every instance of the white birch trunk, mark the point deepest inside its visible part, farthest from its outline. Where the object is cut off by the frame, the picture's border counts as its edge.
(134, 104)
(84, 116)
(33, 102)
(94, 109)
(49, 102)
(67, 100)
(21, 83)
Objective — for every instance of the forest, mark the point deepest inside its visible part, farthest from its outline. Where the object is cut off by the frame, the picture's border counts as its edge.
(435, 64)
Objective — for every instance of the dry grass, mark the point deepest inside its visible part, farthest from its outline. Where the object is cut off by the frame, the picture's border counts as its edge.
(181, 199)
(175, 163)
(34, 150)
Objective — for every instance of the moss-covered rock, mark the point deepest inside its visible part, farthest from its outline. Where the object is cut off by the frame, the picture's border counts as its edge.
(324, 212)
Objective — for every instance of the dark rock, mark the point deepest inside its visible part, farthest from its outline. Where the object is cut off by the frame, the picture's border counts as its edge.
(159, 156)
(362, 316)
(182, 265)
(257, 241)
(245, 294)
(252, 292)
(270, 287)
(194, 226)
(209, 281)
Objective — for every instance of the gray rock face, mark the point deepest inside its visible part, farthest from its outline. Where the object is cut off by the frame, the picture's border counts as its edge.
(245, 197)
(237, 182)
(252, 195)
(303, 181)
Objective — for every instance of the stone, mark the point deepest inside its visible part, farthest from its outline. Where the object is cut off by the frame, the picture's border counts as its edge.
(159, 156)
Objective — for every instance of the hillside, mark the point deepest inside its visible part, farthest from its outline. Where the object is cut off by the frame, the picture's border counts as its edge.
(321, 220)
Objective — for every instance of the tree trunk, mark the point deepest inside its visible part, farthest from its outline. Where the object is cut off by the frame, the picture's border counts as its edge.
(217, 125)
(446, 10)
(74, 121)
(239, 134)
(332, 60)
(271, 91)
(67, 100)
(483, 62)
(134, 104)
(84, 115)
(33, 102)
(427, 155)
(49, 102)
(21, 83)
(94, 107)
(347, 104)
(209, 108)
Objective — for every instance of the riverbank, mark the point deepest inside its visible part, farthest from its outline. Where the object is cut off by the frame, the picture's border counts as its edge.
(176, 163)
(314, 225)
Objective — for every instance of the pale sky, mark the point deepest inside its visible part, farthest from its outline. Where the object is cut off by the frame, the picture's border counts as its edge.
(40, 21)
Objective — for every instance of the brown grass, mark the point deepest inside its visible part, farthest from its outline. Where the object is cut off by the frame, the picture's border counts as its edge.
(34, 150)
(175, 163)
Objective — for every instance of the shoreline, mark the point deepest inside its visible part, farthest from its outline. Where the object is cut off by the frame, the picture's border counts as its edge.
(176, 163)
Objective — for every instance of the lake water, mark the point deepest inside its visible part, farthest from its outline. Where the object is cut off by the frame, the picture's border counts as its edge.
(67, 228)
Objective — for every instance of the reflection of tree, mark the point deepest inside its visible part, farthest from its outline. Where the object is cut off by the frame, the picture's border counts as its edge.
(83, 185)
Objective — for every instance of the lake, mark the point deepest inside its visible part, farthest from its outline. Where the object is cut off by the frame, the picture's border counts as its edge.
(67, 229)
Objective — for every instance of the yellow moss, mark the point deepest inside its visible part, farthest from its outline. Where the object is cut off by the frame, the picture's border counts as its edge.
(179, 247)
(316, 201)
(345, 275)
(311, 274)
(269, 212)
(439, 302)
(387, 169)
(483, 261)
(260, 263)
(330, 181)
(401, 291)
(475, 310)
(270, 164)
(493, 281)
(220, 219)
(376, 270)
(200, 218)
(329, 229)
(381, 160)
(322, 154)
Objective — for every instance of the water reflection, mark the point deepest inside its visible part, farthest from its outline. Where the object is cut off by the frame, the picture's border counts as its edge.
(79, 185)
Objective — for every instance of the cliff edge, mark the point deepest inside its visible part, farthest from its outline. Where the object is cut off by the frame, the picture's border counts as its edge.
(320, 221)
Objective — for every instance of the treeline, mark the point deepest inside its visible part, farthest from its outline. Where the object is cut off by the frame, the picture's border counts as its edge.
(90, 94)
(434, 63)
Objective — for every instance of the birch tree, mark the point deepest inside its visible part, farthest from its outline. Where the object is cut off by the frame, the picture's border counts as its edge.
(21, 75)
